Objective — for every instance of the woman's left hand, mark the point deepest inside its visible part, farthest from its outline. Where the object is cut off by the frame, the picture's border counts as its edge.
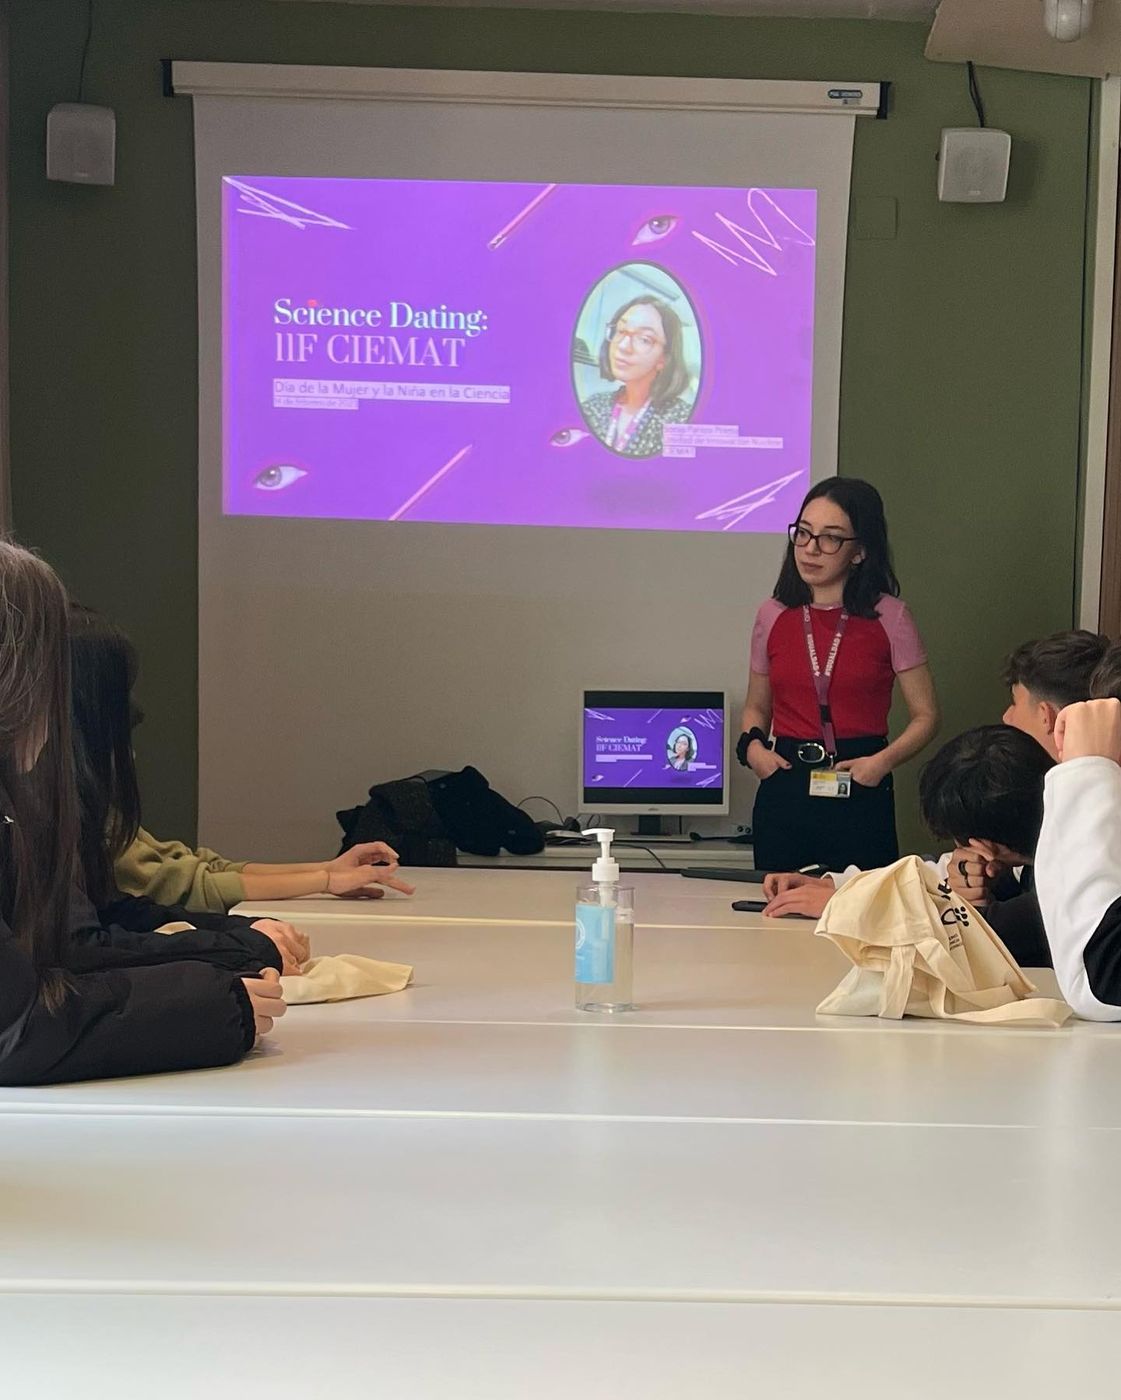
(868, 772)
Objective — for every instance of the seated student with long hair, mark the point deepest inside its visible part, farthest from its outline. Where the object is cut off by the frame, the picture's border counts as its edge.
(109, 801)
(1042, 677)
(104, 669)
(78, 1001)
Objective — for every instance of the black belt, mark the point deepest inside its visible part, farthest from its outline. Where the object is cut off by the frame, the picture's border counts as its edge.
(812, 751)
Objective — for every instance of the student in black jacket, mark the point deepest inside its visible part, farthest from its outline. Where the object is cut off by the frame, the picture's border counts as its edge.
(78, 1001)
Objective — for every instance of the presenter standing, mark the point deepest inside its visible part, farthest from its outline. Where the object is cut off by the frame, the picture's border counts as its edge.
(826, 651)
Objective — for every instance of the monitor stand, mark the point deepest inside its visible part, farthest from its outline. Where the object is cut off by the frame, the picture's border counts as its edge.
(651, 827)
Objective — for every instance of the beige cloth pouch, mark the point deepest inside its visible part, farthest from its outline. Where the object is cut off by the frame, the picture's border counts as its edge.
(343, 978)
(919, 950)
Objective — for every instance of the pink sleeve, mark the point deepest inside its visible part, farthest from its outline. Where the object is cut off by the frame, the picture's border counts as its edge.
(907, 650)
(765, 619)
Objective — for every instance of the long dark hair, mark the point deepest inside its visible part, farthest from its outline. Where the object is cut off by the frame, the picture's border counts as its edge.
(673, 378)
(874, 575)
(103, 668)
(39, 835)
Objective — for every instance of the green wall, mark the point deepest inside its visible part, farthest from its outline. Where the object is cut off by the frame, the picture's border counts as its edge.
(962, 340)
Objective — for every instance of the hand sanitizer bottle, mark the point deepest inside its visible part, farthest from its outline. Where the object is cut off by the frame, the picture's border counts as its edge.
(604, 935)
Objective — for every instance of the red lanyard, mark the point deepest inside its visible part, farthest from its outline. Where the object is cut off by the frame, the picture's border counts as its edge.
(823, 678)
(619, 440)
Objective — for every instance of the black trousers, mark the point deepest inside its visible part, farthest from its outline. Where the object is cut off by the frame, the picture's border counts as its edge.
(793, 829)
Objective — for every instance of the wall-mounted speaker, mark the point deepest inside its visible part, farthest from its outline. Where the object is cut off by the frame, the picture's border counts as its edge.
(973, 165)
(81, 143)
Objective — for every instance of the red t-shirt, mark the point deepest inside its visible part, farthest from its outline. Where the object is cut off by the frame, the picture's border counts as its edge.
(872, 653)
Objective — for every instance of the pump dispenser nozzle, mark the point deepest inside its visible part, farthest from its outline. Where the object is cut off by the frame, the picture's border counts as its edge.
(605, 870)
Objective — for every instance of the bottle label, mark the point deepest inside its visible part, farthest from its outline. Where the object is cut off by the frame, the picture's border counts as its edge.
(595, 943)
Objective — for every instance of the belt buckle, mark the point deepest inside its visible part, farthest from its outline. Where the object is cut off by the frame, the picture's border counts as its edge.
(812, 753)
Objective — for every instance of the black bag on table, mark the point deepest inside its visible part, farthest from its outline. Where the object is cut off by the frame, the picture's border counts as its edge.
(424, 819)
(401, 814)
(480, 820)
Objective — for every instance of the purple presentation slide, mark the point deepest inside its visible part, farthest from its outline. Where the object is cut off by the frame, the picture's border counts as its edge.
(603, 356)
(625, 748)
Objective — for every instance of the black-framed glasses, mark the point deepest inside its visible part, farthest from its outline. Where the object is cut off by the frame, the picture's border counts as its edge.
(801, 538)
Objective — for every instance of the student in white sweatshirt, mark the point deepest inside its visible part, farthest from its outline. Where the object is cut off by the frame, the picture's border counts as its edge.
(1078, 860)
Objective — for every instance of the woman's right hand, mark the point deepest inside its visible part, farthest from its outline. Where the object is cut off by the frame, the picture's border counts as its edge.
(764, 762)
(267, 999)
(795, 893)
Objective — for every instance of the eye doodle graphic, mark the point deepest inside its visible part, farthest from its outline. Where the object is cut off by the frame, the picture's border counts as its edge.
(568, 437)
(660, 226)
(277, 478)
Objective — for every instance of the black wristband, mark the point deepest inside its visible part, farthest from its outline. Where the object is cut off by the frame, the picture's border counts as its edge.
(745, 742)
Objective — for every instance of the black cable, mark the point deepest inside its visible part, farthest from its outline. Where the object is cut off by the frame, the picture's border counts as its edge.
(638, 846)
(548, 801)
(975, 93)
(85, 50)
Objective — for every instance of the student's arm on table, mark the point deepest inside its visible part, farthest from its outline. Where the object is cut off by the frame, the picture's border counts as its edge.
(1078, 859)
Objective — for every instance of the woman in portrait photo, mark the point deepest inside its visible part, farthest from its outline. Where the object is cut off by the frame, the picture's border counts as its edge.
(682, 752)
(643, 351)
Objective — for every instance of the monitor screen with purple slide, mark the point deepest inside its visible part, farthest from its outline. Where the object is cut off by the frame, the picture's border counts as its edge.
(656, 752)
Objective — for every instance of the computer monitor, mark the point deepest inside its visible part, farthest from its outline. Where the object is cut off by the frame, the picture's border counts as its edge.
(654, 753)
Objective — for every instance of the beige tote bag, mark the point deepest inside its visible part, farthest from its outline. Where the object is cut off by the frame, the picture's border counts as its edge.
(919, 950)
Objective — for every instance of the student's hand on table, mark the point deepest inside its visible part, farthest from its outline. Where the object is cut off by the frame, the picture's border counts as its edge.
(764, 762)
(777, 883)
(869, 771)
(807, 899)
(366, 881)
(267, 999)
(972, 869)
(293, 946)
(1090, 729)
(365, 853)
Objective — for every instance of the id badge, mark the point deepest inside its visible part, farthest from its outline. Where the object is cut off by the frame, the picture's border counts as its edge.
(827, 782)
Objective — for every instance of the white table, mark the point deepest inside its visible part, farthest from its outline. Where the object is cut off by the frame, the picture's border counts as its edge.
(631, 852)
(492, 896)
(557, 1209)
(470, 1184)
(355, 1348)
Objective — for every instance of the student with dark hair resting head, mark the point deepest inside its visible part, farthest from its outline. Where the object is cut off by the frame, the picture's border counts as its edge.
(1078, 862)
(984, 792)
(1042, 677)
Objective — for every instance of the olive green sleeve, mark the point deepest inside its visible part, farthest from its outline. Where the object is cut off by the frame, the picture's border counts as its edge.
(172, 873)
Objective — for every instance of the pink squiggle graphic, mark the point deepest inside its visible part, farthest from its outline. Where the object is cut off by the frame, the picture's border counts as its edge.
(432, 480)
(263, 205)
(739, 507)
(751, 256)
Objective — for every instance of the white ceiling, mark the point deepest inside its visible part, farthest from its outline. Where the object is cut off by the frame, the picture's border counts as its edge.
(803, 9)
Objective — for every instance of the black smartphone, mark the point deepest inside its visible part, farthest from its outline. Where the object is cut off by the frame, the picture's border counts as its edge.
(749, 906)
